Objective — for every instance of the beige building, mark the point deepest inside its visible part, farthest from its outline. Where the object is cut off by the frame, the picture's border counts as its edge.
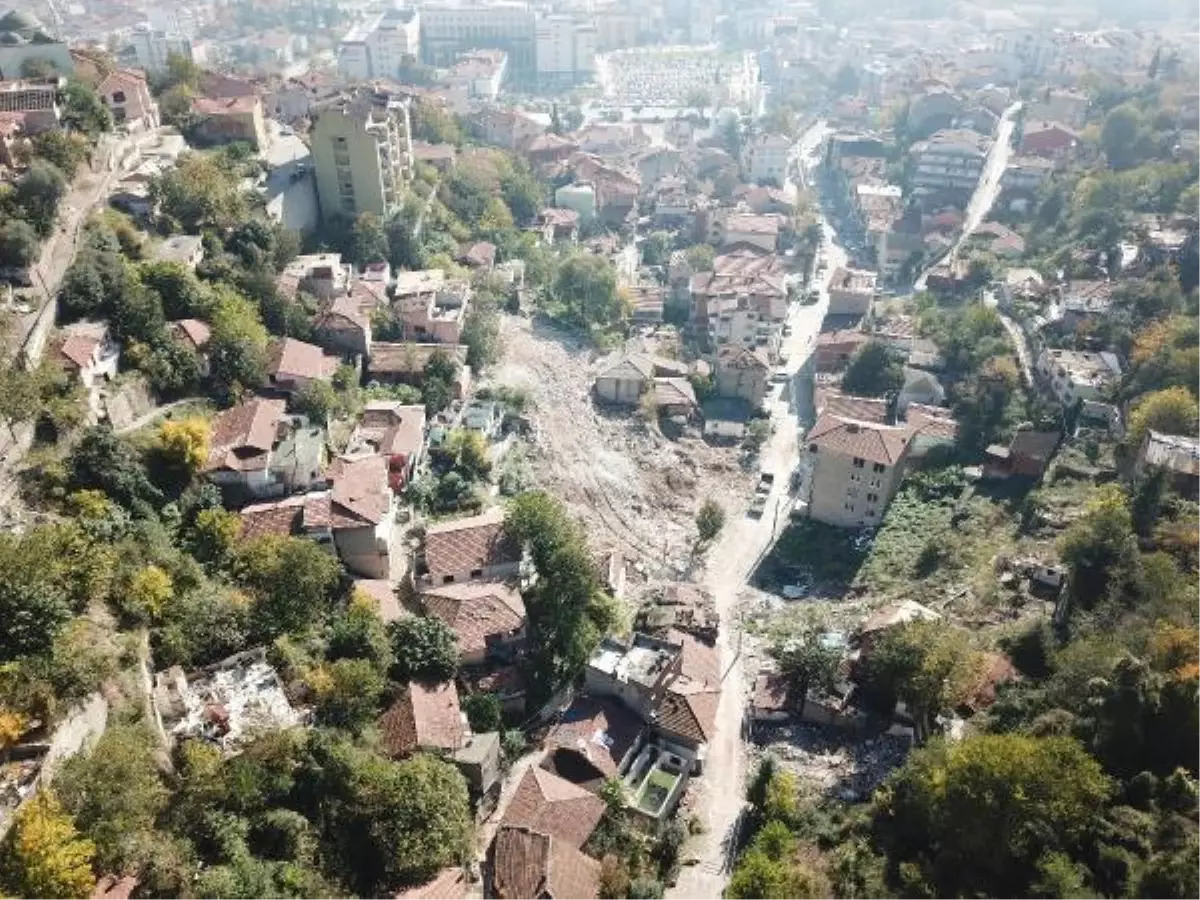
(362, 151)
(740, 373)
(856, 470)
(851, 292)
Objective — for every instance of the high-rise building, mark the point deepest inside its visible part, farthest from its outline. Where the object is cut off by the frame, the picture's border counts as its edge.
(447, 29)
(362, 153)
(382, 45)
(150, 48)
(565, 51)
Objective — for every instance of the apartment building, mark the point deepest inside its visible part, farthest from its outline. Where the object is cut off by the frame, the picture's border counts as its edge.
(477, 76)
(950, 160)
(362, 152)
(149, 49)
(565, 51)
(765, 158)
(1075, 376)
(447, 29)
(856, 468)
(851, 292)
(381, 46)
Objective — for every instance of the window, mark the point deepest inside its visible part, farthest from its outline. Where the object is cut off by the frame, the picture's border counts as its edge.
(872, 498)
(447, 579)
(870, 513)
(118, 97)
(849, 507)
(477, 573)
(875, 482)
(851, 492)
(859, 462)
(812, 448)
(879, 467)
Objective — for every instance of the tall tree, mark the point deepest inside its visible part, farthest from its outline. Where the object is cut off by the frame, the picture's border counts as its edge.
(873, 371)
(43, 855)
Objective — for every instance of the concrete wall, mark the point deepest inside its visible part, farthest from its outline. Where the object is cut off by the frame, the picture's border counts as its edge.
(128, 402)
(834, 474)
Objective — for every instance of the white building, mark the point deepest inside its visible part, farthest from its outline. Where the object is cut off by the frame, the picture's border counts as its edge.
(478, 75)
(949, 160)
(448, 29)
(150, 49)
(565, 50)
(381, 46)
(765, 158)
(1078, 375)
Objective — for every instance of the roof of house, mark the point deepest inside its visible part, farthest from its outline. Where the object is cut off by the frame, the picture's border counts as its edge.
(1173, 451)
(475, 611)
(848, 338)
(732, 356)
(634, 367)
(1039, 445)
(479, 255)
(290, 358)
(196, 332)
(875, 443)
(848, 406)
(690, 711)
(699, 662)
(448, 884)
(549, 804)
(384, 594)
(110, 887)
(424, 716)
(279, 517)
(464, 545)
(360, 495)
(424, 152)
(242, 436)
(77, 348)
(752, 223)
(931, 421)
(410, 359)
(225, 106)
(600, 730)
(770, 692)
(394, 428)
(527, 863)
(345, 311)
(673, 392)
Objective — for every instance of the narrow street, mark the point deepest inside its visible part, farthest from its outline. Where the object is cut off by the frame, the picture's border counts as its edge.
(731, 563)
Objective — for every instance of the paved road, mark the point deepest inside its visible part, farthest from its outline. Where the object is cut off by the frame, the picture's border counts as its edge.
(745, 540)
(986, 191)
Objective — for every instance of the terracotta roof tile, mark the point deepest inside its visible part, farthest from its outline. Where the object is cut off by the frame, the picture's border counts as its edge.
(690, 711)
(601, 730)
(281, 517)
(934, 421)
(194, 331)
(78, 349)
(290, 358)
(770, 692)
(448, 884)
(424, 716)
(360, 488)
(242, 437)
(553, 806)
(848, 406)
(464, 545)
(883, 444)
(393, 428)
(475, 611)
(527, 863)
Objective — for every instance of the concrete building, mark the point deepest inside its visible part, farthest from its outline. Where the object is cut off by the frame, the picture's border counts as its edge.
(381, 46)
(740, 374)
(477, 76)
(565, 51)
(1074, 375)
(856, 468)
(851, 292)
(128, 98)
(35, 101)
(230, 120)
(765, 158)
(150, 48)
(362, 152)
(949, 160)
(447, 29)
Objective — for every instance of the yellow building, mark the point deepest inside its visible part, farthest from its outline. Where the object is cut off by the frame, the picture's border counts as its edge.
(362, 151)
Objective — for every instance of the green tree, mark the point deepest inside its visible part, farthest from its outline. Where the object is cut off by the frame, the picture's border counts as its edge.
(1100, 550)
(441, 373)
(347, 694)
(523, 194)
(710, 519)
(873, 371)
(976, 816)
(38, 193)
(361, 634)
(83, 109)
(1120, 135)
(200, 191)
(656, 249)
(34, 603)
(103, 461)
(183, 295)
(317, 400)
(115, 794)
(43, 855)
(18, 244)
(1169, 411)
(481, 335)
(586, 285)
(424, 649)
(484, 712)
(808, 663)
(292, 580)
(237, 347)
(700, 257)
(64, 149)
(368, 240)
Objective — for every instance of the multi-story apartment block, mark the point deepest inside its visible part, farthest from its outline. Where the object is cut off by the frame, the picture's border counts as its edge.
(950, 160)
(362, 152)
(447, 29)
(856, 468)
(149, 49)
(765, 158)
(381, 46)
(565, 50)
(1075, 376)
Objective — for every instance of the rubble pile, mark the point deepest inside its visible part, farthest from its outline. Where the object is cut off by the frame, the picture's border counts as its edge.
(847, 767)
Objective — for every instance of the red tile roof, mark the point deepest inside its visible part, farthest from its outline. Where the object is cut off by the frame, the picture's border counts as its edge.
(698, 662)
(464, 545)
(848, 406)
(600, 730)
(690, 711)
(424, 716)
(290, 358)
(77, 349)
(242, 437)
(360, 489)
(281, 517)
(226, 106)
(546, 803)
(770, 693)
(194, 331)
(110, 887)
(448, 884)
(529, 864)
(393, 428)
(875, 443)
(934, 421)
(475, 611)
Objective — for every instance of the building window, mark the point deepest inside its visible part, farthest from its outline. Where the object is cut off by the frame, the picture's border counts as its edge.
(851, 492)
(872, 498)
(477, 573)
(849, 507)
(447, 579)
(879, 467)
(859, 462)
(118, 97)
(812, 448)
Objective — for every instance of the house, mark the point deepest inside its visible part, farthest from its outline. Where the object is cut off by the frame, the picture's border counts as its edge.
(480, 256)
(769, 702)
(851, 292)
(765, 158)
(528, 864)
(558, 225)
(183, 249)
(448, 884)
(674, 397)
(344, 326)
(476, 547)
(1175, 454)
(437, 316)
(848, 406)
(439, 156)
(323, 275)
(926, 355)
(87, 351)
(1027, 455)
(479, 761)
(195, 335)
(1050, 140)
(259, 450)
(886, 618)
(487, 617)
(930, 426)
(226, 703)
(1084, 303)
(1075, 375)
(739, 373)
(760, 231)
(483, 416)
(128, 98)
(922, 387)
(425, 717)
(405, 363)
(835, 348)
(360, 511)
(505, 128)
(548, 804)
(629, 377)
(110, 887)
(396, 431)
(229, 120)
(292, 365)
(856, 470)
(592, 740)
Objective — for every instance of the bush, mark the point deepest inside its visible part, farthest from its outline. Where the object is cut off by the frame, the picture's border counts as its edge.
(710, 519)
(483, 712)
